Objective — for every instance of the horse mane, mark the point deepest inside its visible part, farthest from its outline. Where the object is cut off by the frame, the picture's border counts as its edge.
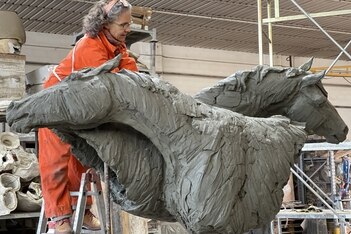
(249, 92)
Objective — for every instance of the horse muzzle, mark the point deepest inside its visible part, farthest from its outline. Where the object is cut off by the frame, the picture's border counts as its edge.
(338, 137)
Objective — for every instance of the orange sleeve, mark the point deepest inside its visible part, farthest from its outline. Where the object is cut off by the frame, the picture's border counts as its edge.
(95, 54)
(127, 62)
(90, 54)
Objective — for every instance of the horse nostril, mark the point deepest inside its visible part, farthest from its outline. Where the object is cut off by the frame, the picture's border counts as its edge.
(346, 130)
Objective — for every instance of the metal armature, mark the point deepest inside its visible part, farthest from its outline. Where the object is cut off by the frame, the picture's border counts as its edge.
(270, 20)
(334, 205)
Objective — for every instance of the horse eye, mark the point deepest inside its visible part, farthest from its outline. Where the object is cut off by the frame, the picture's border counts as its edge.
(321, 100)
(322, 89)
(315, 95)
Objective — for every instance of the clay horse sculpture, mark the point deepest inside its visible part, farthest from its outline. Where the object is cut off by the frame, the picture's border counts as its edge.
(173, 158)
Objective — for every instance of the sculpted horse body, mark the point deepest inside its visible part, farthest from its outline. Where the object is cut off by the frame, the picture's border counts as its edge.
(173, 158)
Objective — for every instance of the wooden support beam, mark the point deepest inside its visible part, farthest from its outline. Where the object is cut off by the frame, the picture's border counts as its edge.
(336, 71)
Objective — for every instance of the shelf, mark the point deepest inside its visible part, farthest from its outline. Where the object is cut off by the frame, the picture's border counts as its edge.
(26, 137)
(324, 214)
(136, 35)
(21, 215)
(346, 145)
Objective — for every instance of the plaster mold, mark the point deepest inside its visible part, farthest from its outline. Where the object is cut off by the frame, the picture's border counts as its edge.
(27, 166)
(7, 161)
(15, 159)
(9, 140)
(30, 200)
(9, 185)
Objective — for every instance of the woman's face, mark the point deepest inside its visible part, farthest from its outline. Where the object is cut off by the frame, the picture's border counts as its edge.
(121, 26)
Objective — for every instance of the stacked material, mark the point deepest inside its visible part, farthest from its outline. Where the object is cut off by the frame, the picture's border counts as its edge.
(12, 33)
(19, 171)
(12, 73)
(12, 79)
(141, 17)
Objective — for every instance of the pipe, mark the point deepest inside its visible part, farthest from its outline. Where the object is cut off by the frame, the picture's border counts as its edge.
(337, 58)
(326, 33)
(153, 52)
(259, 30)
(315, 193)
(270, 33)
(320, 190)
(107, 198)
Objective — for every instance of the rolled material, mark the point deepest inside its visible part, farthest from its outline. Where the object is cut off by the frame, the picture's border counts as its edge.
(9, 140)
(9, 185)
(30, 200)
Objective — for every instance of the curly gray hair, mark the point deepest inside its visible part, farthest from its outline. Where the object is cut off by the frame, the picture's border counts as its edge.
(97, 18)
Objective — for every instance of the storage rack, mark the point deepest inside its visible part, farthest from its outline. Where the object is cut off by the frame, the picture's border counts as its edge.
(335, 210)
(277, 18)
(24, 138)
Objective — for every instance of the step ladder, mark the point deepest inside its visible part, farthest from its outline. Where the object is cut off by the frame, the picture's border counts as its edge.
(90, 177)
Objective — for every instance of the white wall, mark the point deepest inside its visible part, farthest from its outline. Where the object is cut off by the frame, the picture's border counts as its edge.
(189, 69)
(42, 49)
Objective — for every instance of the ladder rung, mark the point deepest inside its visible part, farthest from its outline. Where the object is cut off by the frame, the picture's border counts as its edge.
(89, 193)
(82, 194)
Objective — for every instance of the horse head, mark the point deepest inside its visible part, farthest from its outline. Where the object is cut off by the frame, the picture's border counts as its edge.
(312, 106)
(291, 92)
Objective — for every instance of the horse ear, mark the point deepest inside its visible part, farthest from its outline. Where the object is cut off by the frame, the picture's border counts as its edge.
(307, 66)
(312, 79)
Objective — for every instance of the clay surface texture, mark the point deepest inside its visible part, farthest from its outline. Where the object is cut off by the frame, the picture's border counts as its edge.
(173, 157)
(292, 92)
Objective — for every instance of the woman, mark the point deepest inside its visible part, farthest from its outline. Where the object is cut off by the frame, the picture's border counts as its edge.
(106, 27)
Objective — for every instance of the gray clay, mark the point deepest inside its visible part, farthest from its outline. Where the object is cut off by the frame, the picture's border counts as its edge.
(173, 157)
(291, 92)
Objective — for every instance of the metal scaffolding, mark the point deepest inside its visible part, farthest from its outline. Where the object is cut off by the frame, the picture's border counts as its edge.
(333, 204)
(277, 18)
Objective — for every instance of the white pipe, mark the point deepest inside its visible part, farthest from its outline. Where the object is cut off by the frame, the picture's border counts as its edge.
(259, 24)
(244, 21)
(337, 58)
(270, 33)
(327, 34)
(276, 9)
(315, 193)
(314, 184)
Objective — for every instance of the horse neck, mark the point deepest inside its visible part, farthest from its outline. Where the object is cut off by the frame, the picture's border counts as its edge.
(157, 110)
(278, 94)
(261, 93)
(268, 95)
(142, 104)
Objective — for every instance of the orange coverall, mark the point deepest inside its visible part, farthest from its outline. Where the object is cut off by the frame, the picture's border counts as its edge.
(60, 171)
